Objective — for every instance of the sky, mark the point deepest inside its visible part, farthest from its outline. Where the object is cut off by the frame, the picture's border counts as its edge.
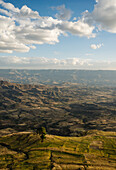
(58, 34)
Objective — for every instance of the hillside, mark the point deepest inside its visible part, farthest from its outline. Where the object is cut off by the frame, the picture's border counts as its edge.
(25, 151)
(67, 110)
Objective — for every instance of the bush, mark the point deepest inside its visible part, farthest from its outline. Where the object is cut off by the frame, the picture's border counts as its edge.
(42, 132)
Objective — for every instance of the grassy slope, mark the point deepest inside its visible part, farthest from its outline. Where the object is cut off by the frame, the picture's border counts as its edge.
(25, 151)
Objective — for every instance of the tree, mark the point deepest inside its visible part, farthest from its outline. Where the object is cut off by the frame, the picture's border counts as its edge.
(42, 132)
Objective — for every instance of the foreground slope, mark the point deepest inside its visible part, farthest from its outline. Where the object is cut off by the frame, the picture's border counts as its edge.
(25, 151)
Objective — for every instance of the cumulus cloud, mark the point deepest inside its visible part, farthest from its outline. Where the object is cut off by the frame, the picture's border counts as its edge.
(9, 6)
(42, 61)
(27, 12)
(21, 29)
(64, 14)
(13, 60)
(54, 63)
(96, 46)
(78, 28)
(103, 15)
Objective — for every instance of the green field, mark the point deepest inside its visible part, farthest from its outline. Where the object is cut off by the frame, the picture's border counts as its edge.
(25, 151)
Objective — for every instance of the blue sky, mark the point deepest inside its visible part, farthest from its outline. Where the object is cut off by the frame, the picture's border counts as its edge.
(58, 34)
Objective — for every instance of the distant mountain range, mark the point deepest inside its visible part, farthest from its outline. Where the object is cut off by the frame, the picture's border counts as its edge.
(59, 77)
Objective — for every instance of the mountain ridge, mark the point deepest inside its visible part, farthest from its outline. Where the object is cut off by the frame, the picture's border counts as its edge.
(60, 77)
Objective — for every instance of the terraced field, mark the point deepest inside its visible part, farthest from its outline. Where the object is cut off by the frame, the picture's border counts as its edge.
(25, 151)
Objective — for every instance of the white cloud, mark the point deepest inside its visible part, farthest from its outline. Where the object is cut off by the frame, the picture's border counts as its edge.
(42, 60)
(96, 46)
(9, 6)
(78, 28)
(64, 14)
(103, 15)
(54, 63)
(13, 60)
(5, 12)
(27, 12)
(21, 29)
